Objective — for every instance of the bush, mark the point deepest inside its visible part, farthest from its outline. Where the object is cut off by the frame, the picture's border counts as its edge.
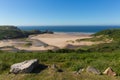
(64, 51)
(28, 44)
(3, 66)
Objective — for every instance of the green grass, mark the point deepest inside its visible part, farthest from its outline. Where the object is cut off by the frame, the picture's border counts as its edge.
(68, 62)
(28, 44)
(111, 33)
(96, 39)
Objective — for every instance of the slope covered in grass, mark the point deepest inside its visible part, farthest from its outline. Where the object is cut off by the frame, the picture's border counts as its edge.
(111, 33)
(109, 40)
(68, 62)
(9, 32)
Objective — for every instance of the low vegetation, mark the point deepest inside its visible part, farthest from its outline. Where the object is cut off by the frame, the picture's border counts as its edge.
(111, 33)
(8, 32)
(28, 44)
(109, 41)
(11, 32)
(68, 62)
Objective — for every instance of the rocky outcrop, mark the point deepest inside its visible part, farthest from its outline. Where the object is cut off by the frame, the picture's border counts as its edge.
(109, 72)
(24, 67)
(93, 70)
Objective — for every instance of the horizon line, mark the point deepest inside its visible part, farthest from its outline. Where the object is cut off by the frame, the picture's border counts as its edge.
(58, 25)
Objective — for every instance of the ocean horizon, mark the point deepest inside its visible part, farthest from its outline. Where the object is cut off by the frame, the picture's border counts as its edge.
(69, 29)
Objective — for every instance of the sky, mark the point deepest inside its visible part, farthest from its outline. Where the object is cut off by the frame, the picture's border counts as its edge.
(59, 12)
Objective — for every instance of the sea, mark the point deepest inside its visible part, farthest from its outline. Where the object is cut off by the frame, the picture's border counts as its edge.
(69, 29)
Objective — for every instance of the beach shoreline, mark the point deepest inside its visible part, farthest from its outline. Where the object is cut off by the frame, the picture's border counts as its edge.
(51, 41)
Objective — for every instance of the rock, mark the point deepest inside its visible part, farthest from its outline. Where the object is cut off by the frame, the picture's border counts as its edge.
(93, 70)
(24, 67)
(79, 71)
(109, 72)
(54, 68)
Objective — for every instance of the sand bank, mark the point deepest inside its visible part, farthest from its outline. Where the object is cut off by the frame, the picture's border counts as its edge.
(47, 41)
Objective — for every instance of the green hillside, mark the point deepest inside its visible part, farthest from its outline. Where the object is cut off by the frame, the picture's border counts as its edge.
(110, 39)
(9, 32)
(111, 33)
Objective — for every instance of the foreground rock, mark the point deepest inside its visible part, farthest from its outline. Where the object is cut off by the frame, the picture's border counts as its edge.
(79, 71)
(54, 68)
(24, 67)
(93, 70)
(109, 72)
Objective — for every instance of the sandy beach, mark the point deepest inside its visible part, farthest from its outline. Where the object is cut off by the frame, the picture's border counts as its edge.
(62, 39)
(47, 41)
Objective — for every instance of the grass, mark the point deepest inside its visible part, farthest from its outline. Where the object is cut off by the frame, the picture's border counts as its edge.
(48, 75)
(68, 62)
(28, 44)
(99, 38)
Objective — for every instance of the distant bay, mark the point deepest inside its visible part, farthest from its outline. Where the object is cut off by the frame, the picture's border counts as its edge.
(69, 29)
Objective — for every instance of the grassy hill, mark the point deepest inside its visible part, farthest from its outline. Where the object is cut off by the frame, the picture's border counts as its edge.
(111, 33)
(9, 32)
(110, 41)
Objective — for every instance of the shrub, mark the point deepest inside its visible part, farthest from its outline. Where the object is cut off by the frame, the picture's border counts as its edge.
(28, 44)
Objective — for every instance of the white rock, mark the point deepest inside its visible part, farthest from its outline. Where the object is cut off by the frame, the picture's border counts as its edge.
(24, 67)
(93, 70)
(109, 72)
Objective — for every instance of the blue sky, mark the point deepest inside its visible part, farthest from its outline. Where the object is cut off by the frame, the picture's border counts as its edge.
(59, 12)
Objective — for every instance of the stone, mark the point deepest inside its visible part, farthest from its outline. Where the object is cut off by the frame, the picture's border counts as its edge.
(54, 68)
(24, 67)
(93, 70)
(109, 71)
(79, 71)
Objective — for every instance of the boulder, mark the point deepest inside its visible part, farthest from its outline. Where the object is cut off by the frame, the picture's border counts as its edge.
(93, 70)
(24, 67)
(109, 71)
